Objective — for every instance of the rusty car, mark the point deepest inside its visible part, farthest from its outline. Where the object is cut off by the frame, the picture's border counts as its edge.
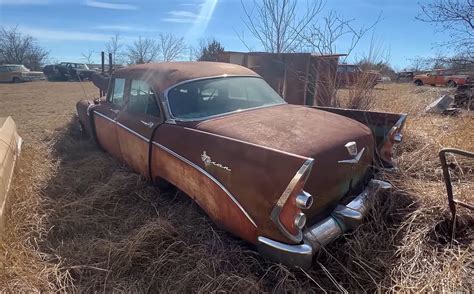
(442, 77)
(286, 178)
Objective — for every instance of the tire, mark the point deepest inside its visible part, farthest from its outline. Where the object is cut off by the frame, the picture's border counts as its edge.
(451, 84)
(16, 80)
(418, 83)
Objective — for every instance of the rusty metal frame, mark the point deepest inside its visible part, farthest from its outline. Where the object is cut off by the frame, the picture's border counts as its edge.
(452, 202)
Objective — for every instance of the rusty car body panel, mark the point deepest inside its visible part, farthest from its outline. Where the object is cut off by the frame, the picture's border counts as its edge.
(276, 175)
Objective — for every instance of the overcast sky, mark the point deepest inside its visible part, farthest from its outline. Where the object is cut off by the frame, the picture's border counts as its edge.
(67, 28)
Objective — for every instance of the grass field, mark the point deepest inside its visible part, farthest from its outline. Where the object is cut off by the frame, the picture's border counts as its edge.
(81, 221)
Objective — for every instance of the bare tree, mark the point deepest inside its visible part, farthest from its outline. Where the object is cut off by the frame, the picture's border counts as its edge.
(143, 50)
(277, 25)
(418, 64)
(88, 56)
(115, 46)
(170, 47)
(19, 48)
(324, 37)
(455, 17)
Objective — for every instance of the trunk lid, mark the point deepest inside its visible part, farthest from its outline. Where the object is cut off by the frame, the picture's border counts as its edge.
(307, 132)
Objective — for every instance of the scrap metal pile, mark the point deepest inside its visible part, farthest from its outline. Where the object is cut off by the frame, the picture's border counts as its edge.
(464, 97)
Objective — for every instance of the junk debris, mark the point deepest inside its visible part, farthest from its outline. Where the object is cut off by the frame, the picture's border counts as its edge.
(453, 202)
(464, 97)
(440, 105)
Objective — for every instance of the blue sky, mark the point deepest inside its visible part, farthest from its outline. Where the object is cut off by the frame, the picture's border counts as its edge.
(68, 28)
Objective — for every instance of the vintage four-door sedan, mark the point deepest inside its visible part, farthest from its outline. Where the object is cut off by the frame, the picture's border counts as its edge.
(287, 178)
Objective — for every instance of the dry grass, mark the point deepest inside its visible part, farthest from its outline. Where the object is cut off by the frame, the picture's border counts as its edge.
(80, 221)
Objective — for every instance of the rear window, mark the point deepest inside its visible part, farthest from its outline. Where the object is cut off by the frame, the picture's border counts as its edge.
(210, 97)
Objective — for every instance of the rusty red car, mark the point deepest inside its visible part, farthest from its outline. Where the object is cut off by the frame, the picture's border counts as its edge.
(286, 178)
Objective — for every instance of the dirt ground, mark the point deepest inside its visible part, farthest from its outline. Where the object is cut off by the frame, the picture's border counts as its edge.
(81, 221)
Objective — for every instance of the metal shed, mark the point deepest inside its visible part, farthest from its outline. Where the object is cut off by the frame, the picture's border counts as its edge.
(300, 78)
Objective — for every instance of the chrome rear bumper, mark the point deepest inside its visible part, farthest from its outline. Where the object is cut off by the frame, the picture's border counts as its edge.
(343, 218)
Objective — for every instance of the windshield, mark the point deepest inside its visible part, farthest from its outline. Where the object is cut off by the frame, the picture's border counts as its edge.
(82, 66)
(209, 97)
(18, 68)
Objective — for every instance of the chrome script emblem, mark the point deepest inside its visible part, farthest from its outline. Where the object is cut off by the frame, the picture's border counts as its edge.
(352, 149)
(208, 161)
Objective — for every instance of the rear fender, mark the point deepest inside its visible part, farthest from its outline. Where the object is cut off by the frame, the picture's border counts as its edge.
(386, 128)
(207, 166)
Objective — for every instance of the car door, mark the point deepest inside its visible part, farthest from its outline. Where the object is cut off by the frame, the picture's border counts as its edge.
(3, 74)
(136, 124)
(105, 117)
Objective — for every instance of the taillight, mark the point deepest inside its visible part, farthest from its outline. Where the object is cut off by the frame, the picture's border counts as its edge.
(287, 213)
(386, 151)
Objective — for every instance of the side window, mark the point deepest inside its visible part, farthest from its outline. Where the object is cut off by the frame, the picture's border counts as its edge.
(3, 69)
(116, 95)
(142, 99)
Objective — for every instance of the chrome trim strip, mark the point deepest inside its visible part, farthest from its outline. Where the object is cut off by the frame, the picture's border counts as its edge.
(209, 176)
(104, 116)
(304, 171)
(123, 126)
(188, 162)
(133, 132)
(173, 119)
(207, 78)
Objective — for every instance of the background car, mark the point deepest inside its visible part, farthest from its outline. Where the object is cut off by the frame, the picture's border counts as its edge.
(16, 73)
(442, 77)
(66, 71)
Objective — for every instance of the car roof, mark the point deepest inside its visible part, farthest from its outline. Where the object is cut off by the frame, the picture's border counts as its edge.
(164, 75)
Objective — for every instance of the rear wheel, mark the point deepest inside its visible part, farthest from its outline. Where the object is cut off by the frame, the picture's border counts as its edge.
(16, 80)
(451, 84)
(418, 83)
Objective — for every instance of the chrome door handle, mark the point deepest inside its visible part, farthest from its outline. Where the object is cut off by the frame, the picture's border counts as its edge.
(148, 124)
(115, 111)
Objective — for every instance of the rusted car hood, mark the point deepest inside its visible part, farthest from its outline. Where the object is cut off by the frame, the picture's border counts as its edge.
(308, 132)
